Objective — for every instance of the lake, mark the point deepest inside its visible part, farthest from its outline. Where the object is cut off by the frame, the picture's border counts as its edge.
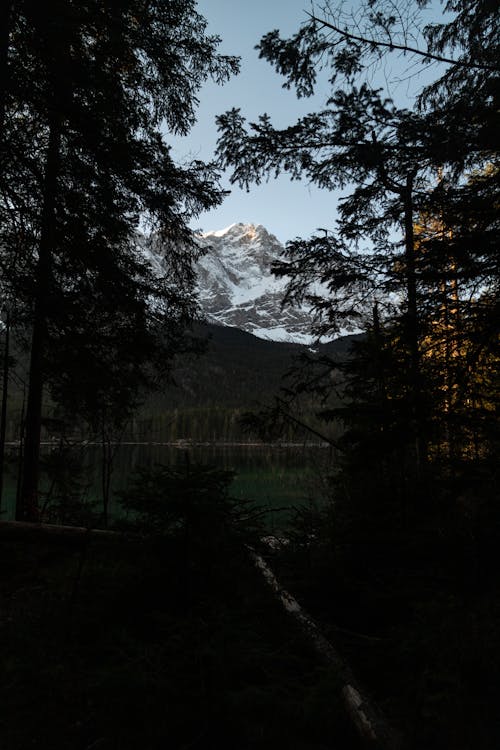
(275, 477)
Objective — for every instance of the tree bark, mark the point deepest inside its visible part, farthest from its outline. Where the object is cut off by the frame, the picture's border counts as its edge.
(28, 506)
(412, 328)
(3, 417)
(16, 531)
(106, 471)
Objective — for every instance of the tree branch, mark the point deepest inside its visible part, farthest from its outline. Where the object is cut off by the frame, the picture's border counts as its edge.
(305, 426)
(404, 47)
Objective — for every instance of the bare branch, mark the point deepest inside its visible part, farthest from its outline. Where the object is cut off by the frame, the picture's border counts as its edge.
(414, 50)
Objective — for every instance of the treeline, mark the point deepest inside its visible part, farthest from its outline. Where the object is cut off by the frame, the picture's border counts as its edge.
(222, 424)
(203, 424)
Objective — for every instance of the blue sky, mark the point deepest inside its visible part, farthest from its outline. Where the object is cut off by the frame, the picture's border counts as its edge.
(288, 209)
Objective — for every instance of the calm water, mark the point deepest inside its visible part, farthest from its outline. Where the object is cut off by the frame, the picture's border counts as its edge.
(272, 477)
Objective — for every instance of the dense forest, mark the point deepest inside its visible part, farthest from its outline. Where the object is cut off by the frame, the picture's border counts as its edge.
(160, 604)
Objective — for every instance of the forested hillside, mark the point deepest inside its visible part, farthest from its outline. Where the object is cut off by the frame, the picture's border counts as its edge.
(236, 373)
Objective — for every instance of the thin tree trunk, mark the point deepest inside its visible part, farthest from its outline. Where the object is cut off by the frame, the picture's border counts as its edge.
(5, 21)
(412, 324)
(452, 347)
(381, 386)
(378, 355)
(28, 507)
(3, 416)
(21, 449)
(19, 531)
(107, 471)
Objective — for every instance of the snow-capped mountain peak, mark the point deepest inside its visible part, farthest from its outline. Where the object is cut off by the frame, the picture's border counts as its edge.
(238, 229)
(237, 288)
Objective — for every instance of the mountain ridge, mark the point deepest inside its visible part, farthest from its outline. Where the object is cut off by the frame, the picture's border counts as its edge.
(240, 369)
(237, 288)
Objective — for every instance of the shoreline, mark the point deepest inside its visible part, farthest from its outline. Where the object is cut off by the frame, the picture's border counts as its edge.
(181, 444)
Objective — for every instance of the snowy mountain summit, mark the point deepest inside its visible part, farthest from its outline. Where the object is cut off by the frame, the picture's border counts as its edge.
(236, 286)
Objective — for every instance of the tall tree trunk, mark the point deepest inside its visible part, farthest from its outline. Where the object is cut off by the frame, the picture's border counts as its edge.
(28, 506)
(3, 416)
(107, 470)
(20, 454)
(451, 333)
(412, 331)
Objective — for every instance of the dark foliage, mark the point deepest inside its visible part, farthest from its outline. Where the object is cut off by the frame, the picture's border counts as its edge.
(91, 92)
(430, 176)
(400, 560)
(190, 502)
(114, 653)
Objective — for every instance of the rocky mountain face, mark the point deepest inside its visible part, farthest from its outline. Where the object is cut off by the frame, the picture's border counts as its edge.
(236, 287)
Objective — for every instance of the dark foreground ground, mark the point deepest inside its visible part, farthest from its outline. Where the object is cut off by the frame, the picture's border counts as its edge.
(418, 619)
(132, 647)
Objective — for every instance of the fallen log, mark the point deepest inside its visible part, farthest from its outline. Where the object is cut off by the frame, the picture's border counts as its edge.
(74, 535)
(372, 728)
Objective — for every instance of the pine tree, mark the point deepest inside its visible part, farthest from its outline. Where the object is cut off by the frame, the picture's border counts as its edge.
(382, 150)
(399, 166)
(94, 89)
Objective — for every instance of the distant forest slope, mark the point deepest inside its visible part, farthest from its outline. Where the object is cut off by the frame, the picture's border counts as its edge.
(238, 368)
(237, 372)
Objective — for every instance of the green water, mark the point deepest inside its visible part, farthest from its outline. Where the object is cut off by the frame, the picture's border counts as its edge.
(276, 478)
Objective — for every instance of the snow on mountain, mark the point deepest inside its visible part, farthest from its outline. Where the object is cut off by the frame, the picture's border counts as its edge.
(236, 286)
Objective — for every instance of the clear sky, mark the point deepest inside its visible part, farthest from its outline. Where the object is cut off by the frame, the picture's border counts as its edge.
(287, 209)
